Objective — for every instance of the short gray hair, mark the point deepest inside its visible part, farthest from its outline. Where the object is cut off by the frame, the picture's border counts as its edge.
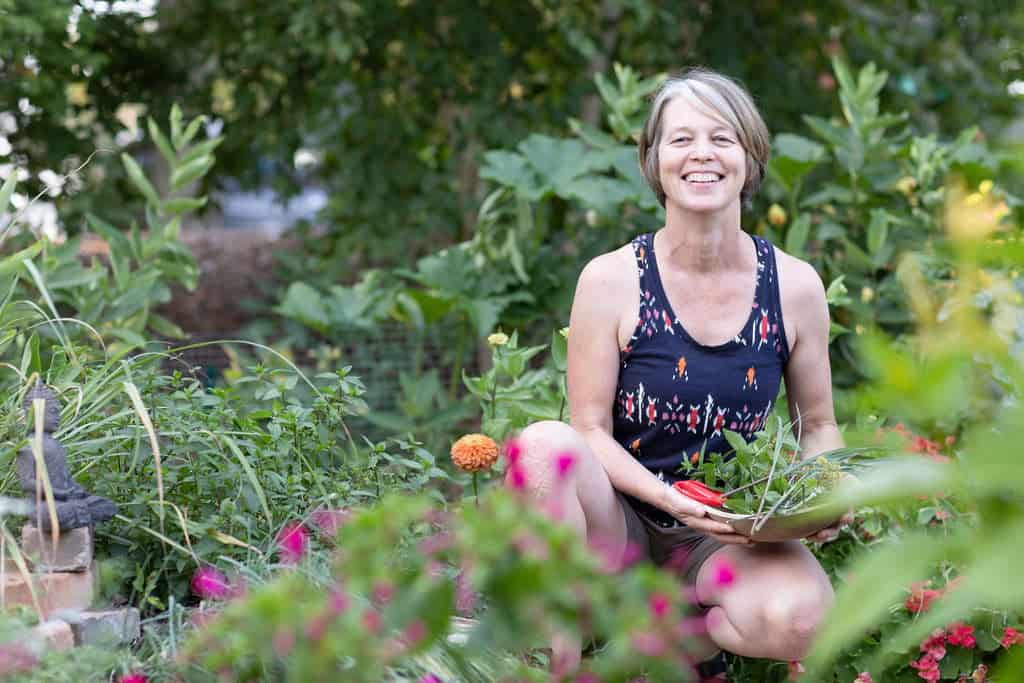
(727, 99)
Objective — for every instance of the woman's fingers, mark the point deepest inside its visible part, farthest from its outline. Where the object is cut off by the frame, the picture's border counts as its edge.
(708, 526)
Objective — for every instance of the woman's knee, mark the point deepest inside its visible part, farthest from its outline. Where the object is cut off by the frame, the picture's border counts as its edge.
(551, 452)
(794, 621)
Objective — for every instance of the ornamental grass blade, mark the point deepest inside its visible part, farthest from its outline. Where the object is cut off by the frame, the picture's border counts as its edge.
(251, 474)
(140, 410)
(9, 545)
(893, 481)
(873, 583)
(43, 485)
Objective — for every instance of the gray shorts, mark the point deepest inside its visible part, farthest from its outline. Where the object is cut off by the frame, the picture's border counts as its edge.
(679, 548)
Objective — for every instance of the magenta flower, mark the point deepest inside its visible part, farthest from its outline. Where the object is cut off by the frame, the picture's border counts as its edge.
(513, 451)
(724, 574)
(382, 593)
(210, 583)
(414, 633)
(659, 604)
(133, 678)
(292, 542)
(515, 478)
(329, 520)
(429, 678)
(564, 463)
(962, 635)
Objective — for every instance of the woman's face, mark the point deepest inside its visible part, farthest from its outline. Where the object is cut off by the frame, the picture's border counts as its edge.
(702, 166)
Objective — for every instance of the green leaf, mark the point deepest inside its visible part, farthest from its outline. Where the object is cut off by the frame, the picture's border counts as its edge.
(180, 205)
(796, 236)
(13, 263)
(161, 142)
(305, 304)
(7, 191)
(176, 126)
(139, 179)
(193, 170)
(878, 230)
(559, 350)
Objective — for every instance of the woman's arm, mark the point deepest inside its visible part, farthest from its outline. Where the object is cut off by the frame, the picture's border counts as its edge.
(808, 372)
(607, 293)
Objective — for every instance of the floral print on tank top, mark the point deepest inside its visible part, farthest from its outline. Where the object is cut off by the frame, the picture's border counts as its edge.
(675, 396)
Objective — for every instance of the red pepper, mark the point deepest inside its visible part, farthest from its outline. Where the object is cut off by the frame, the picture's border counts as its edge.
(699, 492)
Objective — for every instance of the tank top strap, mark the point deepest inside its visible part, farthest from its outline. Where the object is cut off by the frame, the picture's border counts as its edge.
(642, 251)
(768, 296)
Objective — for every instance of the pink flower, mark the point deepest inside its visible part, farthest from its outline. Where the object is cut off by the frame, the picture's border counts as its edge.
(283, 642)
(927, 668)
(515, 478)
(564, 463)
(372, 620)
(328, 521)
(337, 602)
(796, 671)
(647, 643)
(382, 593)
(414, 633)
(133, 678)
(659, 604)
(210, 584)
(293, 542)
(435, 543)
(513, 451)
(961, 635)
(1011, 636)
(723, 573)
(863, 677)
(429, 678)
(935, 644)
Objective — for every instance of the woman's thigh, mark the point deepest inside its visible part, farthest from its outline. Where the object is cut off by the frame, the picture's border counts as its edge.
(586, 483)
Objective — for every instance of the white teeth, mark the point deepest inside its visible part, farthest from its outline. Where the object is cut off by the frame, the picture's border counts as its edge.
(702, 177)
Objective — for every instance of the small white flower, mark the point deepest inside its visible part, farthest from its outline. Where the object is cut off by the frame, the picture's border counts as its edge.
(54, 183)
(8, 124)
(5, 146)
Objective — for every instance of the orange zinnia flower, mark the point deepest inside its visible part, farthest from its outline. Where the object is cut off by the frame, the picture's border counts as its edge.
(474, 452)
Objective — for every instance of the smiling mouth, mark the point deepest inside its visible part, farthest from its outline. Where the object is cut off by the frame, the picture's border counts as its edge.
(703, 178)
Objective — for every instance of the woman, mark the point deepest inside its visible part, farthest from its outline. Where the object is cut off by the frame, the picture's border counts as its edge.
(674, 338)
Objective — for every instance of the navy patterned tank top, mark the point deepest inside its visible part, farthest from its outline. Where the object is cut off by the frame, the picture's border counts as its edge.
(675, 396)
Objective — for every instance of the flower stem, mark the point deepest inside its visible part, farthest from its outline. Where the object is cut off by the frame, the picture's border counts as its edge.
(476, 491)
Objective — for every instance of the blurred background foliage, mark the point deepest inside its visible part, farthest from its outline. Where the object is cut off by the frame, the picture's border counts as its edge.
(474, 157)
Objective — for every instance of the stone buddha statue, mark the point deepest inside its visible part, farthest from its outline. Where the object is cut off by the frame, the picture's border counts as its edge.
(76, 507)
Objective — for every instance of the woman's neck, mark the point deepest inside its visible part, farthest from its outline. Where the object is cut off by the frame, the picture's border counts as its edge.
(703, 243)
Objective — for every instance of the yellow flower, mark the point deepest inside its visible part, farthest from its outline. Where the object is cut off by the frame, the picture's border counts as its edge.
(867, 294)
(77, 93)
(474, 452)
(859, 329)
(776, 215)
(972, 216)
(516, 90)
(985, 186)
(906, 185)
(497, 339)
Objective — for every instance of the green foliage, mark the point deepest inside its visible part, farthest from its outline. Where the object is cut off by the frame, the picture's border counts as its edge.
(384, 610)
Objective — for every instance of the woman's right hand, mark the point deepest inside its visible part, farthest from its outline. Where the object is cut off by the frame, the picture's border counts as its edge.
(695, 515)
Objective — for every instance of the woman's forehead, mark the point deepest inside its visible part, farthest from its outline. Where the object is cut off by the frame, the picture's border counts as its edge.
(687, 112)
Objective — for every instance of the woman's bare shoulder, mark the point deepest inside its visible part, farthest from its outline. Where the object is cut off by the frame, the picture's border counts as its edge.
(798, 280)
(610, 272)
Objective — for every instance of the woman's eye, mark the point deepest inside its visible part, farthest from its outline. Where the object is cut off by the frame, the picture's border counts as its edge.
(722, 138)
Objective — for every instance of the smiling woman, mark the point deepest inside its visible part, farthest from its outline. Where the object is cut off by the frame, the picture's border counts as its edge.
(677, 337)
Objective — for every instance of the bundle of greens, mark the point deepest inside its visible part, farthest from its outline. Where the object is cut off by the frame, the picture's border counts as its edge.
(768, 476)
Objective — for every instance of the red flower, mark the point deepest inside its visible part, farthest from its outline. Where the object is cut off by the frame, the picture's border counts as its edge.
(210, 584)
(1011, 636)
(927, 668)
(292, 542)
(921, 598)
(796, 671)
(935, 644)
(961, 635)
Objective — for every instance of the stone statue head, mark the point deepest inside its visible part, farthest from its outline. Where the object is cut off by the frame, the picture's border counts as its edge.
(51, 415)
